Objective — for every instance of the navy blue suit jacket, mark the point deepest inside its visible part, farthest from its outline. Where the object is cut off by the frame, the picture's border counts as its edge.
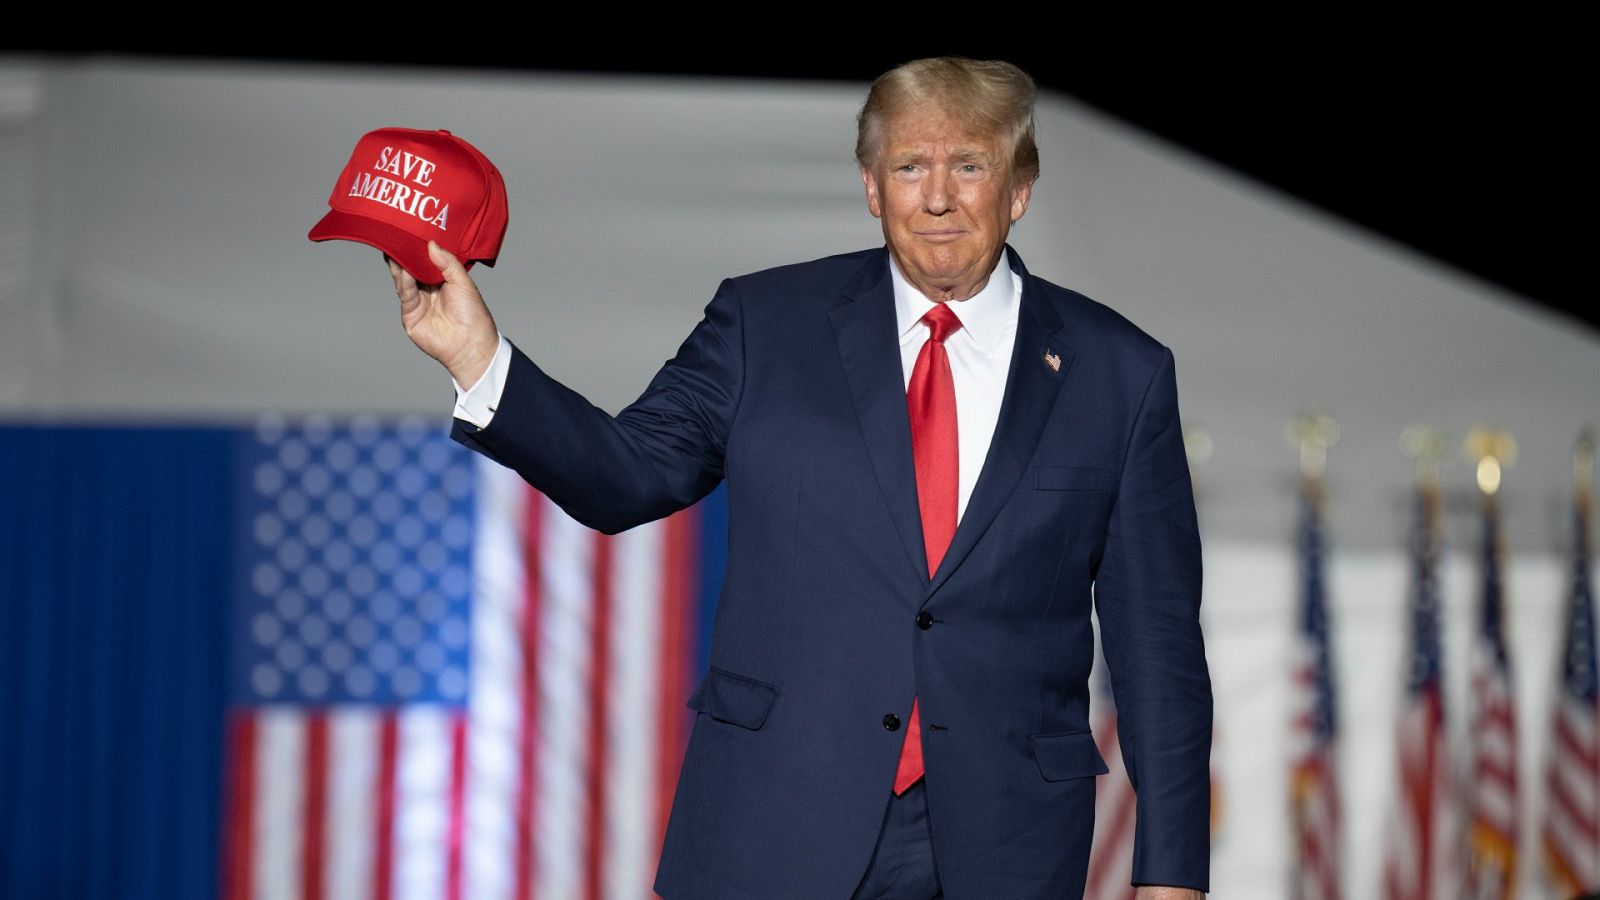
(791, 390)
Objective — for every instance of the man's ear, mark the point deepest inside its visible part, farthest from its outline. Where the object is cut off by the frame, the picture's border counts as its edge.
(1020, 195)
(870, 182)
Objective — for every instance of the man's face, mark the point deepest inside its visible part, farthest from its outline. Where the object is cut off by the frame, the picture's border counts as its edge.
(947, 199)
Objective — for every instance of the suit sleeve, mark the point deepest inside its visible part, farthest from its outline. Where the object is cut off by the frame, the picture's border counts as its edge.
(660, 454)
(1147, 595)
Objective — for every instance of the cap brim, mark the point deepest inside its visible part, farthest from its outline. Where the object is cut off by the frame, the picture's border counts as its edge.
(405, 248)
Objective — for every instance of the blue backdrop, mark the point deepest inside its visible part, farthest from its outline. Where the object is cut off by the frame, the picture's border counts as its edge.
(112, 672)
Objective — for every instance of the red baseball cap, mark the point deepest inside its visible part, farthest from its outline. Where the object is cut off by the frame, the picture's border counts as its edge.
(403, 187)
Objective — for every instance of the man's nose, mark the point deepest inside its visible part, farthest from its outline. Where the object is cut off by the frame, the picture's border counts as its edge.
(936, 195)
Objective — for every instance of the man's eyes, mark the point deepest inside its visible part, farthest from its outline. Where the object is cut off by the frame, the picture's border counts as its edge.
(963, 169)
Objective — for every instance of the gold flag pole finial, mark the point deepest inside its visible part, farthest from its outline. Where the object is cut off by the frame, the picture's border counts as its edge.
(1492, 450)
(1426, 445)
(1311, 433)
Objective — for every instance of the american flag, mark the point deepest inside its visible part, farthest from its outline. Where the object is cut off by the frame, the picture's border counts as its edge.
(1111, 854)
(1423, 858)
(445, 688)
(1494, 831)
(1572, 815)
(1314, 782)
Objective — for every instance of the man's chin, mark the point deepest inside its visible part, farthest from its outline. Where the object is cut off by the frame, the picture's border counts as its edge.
(948, 275)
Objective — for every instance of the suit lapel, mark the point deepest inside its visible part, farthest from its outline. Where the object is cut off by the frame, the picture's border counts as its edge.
(1031, 388)
(868, 337)
(865, 328)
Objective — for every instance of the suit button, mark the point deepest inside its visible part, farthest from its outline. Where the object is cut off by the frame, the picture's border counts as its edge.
(891, 722)
(924, 621)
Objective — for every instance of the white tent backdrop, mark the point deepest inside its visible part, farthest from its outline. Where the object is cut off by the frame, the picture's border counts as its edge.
(154, 266)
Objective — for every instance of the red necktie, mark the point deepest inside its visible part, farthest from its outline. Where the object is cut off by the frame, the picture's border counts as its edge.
(931, 400)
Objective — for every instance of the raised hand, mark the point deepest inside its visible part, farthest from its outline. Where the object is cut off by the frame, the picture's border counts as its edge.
(448, 321)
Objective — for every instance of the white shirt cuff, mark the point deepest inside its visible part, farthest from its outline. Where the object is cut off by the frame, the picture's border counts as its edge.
(478, 403)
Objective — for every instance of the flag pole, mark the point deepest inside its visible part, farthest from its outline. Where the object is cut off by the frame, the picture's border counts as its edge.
(1494, 829)
(1423, 862)
(1313, 771)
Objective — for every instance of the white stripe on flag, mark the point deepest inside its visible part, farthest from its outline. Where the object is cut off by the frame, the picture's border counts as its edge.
(494, 724)
(352, 806)
(630, 852)
(1576, 784)
(1574, 846)
(1564, 833)
(1576, 823)
(1581, 721)
(567, 552)
(422, 803)
(1495, 748)
(1496, 805)
(279, 795)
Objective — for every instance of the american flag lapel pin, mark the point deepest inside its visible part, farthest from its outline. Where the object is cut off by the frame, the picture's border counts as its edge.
(1052, 360)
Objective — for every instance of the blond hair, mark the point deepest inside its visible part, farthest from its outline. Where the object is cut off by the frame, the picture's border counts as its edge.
(986, 96)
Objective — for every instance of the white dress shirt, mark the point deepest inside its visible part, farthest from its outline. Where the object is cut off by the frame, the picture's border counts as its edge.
(979, 351)
(477, 403)
(980, 356)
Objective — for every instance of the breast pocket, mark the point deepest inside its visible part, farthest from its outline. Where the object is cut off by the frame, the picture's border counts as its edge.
(1074, 478)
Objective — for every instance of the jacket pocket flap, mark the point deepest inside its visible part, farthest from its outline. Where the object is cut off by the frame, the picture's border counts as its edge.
(734, 698)
(1064, 755)
(1074, 478)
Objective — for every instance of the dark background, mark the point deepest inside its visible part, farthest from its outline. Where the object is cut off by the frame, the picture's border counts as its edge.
(1461, 139)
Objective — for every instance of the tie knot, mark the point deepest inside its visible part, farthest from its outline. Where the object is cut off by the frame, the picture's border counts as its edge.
(942, 321)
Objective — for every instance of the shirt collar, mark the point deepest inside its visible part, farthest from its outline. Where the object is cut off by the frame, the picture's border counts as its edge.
(983, 315)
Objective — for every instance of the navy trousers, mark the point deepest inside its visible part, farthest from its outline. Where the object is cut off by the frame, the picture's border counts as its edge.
(902, 866)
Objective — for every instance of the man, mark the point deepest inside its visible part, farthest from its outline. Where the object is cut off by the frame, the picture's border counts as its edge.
(897, 702)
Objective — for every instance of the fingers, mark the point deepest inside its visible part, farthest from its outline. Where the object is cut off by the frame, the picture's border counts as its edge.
(403, 282)
(454, 272)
